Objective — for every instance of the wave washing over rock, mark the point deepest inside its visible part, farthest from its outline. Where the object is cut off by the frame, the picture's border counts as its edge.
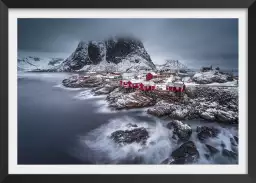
(127, 140)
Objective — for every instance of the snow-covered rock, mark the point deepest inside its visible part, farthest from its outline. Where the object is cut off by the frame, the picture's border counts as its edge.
(211, 77)
(208, 114)
(119, 100)
(175, 110)
(161, 108)
(226, 116)
(135, 135)
(182, 130)
(212, 104)
(105, 89)
(123, 54)
(80, 82)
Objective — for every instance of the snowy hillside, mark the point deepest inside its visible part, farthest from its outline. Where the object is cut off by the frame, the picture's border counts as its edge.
(127, 65)
(29, 61)
(172, 65)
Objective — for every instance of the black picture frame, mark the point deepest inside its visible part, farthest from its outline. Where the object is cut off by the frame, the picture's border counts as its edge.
(6, 4)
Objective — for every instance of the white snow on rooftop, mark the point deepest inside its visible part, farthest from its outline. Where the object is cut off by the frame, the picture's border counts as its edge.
(137, 80)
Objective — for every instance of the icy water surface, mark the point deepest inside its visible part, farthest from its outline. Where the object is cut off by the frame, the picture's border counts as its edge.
(57, 125)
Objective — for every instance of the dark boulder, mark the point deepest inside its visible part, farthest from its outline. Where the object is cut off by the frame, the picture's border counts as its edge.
(183, 131)
(229, 154)
(138, 135)
(236, 139)
(212, 149)
(233, 142)
(187, 153)
(81, 82)
(103, 90)
(205, 132)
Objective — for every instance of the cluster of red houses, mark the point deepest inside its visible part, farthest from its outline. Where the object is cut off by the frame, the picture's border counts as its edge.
(137, 85)
(174, 87)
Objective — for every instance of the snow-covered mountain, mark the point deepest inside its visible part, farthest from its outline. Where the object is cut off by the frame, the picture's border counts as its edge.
(172, 65)
(121, 54)
(29, 61)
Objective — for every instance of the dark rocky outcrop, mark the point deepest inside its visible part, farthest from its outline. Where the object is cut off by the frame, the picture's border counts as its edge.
(236, 139)
(113, 50)
(211, 104)
(187, 153)
(183, 131)
(120, 100)
(205, 132)
(229, 154)
(233, 142)
(138, 135)
(77, 82)
(105, 89)
(212, 149)
(119, 48)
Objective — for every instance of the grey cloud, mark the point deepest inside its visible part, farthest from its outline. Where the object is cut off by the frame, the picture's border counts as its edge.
(196, 42)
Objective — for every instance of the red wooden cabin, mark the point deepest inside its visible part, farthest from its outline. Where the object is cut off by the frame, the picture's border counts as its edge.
(135, 85)
(141, 86)
(150, 76)
(175, 87)
(147, 87)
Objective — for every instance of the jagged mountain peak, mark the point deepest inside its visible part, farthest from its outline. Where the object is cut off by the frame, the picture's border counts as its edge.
(114, 50)
(173, 65)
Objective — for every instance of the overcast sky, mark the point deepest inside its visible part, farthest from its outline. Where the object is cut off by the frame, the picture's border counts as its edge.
(195, 42)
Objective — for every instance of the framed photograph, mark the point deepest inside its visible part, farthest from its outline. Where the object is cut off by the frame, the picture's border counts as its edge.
(148, 91)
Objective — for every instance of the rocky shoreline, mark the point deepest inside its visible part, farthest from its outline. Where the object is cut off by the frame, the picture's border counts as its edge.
(186, 152)
(218, 104)
(212, 104)
(209, 103)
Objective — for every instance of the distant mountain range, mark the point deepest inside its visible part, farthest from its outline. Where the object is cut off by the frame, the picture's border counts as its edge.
(120, 54)
(172, 65)
(123, 54)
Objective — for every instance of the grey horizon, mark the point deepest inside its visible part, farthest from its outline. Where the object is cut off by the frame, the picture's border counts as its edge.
(195, 42)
